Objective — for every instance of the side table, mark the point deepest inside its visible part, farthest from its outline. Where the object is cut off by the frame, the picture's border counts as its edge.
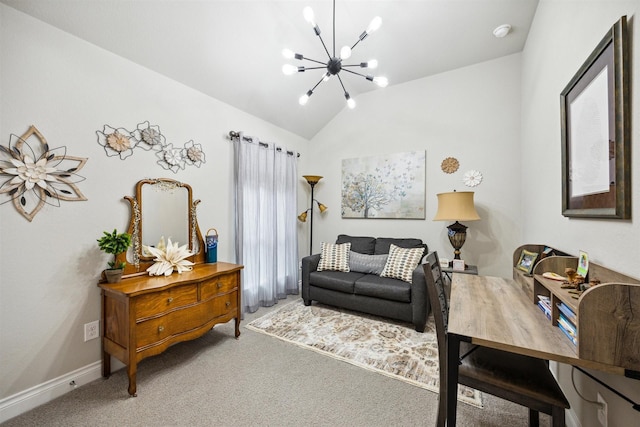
(471, 269)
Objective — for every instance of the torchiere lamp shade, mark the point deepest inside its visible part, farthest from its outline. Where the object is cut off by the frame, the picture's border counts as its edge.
(456, 206)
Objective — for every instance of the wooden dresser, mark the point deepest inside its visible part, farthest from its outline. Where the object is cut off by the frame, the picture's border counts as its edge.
(142, 316)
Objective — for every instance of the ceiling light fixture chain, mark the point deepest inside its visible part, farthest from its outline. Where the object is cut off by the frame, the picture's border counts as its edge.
(334, 64)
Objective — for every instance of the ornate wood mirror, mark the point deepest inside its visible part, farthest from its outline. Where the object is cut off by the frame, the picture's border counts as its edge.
(162, 208)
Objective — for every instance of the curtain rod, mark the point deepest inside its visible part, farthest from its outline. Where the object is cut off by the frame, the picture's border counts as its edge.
(233, 134)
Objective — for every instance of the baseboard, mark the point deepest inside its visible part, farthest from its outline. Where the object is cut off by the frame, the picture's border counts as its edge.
(26, 400)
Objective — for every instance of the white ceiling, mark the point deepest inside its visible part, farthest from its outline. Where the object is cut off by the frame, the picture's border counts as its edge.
(231, 50)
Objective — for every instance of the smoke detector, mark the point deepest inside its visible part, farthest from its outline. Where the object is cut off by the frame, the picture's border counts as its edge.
(502, 30)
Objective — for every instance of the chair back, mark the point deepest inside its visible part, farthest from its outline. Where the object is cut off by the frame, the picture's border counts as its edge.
(438, 300)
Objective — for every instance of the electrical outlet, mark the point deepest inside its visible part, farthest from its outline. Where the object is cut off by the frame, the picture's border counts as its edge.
(91, 330)
(602, 410)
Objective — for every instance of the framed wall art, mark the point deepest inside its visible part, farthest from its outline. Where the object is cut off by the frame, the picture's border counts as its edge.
(595, 113)
(390, 186)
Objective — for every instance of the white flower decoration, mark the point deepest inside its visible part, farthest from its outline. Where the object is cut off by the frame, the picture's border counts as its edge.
(171, 158)
(472, 178)
(166, 260)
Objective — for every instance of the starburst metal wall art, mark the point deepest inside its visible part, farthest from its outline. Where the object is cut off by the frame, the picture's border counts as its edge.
(34, 175)
(121, 142)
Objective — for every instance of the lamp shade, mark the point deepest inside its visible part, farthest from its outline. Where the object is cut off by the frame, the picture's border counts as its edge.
(456, 206)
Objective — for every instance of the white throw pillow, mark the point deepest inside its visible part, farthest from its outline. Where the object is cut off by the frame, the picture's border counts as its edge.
(402, 262)
(334, 257)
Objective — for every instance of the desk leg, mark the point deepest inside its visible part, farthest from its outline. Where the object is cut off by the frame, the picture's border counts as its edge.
(453, 354)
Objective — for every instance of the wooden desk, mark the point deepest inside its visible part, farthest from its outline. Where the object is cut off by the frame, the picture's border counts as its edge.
(495, 312)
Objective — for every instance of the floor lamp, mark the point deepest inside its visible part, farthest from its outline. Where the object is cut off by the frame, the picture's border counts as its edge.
(456, 206)
(312, 180)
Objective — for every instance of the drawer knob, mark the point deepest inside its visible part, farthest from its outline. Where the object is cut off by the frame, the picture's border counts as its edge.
(228, 303)
(170, 300)
(219, 285)
(160, 328)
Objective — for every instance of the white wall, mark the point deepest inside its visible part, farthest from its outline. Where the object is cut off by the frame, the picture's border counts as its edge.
(563, 35)
(472, 114)
(49, 267)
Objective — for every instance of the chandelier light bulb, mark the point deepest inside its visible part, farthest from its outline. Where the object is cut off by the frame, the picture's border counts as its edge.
(345, 52)
(309, 16)
(304, 98)
(372, 64)
(351, 103)
(374, 25)
(326, 76)
(289, 69)
(381, 81)
(288, 53)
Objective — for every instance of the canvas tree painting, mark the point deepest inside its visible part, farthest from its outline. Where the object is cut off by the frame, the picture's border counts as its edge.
(390, 186)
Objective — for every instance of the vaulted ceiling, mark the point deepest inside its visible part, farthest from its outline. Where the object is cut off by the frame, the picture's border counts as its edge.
(231, 50)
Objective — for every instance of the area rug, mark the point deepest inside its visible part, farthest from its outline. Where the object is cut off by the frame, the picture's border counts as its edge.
(381, 345)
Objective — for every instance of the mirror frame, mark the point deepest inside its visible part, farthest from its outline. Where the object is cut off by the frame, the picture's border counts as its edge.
(139, 264)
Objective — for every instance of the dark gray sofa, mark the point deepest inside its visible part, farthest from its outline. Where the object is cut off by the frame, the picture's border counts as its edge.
(369, 293)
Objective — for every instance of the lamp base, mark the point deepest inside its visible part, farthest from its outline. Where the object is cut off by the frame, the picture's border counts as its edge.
(457, 236)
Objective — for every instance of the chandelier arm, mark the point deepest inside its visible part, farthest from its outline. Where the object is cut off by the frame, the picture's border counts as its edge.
(324, 46)
(316, 61)
(352, 72)
(342, 84)
(356, 43)
(315, 68)
(317, 84)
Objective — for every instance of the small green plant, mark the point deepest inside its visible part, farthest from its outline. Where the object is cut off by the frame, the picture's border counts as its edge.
(114, 243)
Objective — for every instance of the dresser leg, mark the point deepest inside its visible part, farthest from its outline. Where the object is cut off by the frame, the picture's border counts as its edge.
(131, 371)
(237, 319)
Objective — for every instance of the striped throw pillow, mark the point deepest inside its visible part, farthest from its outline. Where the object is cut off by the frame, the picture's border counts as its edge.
(334, 257)
(402, 262)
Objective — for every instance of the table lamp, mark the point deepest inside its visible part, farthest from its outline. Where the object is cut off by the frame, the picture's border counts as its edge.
(456, 206)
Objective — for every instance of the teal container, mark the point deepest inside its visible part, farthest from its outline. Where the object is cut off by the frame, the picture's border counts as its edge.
(211, 246)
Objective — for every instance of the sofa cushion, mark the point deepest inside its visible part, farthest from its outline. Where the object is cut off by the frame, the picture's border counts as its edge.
(383, 288)
(370, 264)
(360, 244)
(334, 280)
(334, 257)
(383, 244)
(402, 262)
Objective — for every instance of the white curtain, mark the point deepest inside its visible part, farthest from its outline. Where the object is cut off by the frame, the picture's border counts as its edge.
(265, 181)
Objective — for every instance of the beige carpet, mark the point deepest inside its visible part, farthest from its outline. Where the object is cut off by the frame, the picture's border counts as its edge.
(381, 345)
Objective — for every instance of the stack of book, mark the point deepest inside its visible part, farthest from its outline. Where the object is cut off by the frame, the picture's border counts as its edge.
(567, 322)
(545, 305)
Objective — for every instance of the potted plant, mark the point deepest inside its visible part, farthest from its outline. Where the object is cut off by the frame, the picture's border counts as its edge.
(114, 243)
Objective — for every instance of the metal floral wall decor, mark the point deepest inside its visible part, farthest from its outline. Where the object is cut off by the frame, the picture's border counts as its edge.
(35, 174)
(391, 186)
(121, 142)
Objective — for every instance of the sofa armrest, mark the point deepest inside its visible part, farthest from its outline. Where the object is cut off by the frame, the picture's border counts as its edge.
(309, 265)
(419, 299)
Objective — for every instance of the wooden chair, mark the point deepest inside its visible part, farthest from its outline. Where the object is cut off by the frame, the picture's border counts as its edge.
(520, 379)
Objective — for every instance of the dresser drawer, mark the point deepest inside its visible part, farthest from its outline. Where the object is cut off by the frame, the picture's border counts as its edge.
(218, 285)
(161, 302)
(156, 330)
(225, 304)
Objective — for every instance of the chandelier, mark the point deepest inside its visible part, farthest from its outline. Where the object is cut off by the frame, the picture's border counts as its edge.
(334, 63)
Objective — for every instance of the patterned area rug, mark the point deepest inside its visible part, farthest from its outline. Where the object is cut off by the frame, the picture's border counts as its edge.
(381, 345)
